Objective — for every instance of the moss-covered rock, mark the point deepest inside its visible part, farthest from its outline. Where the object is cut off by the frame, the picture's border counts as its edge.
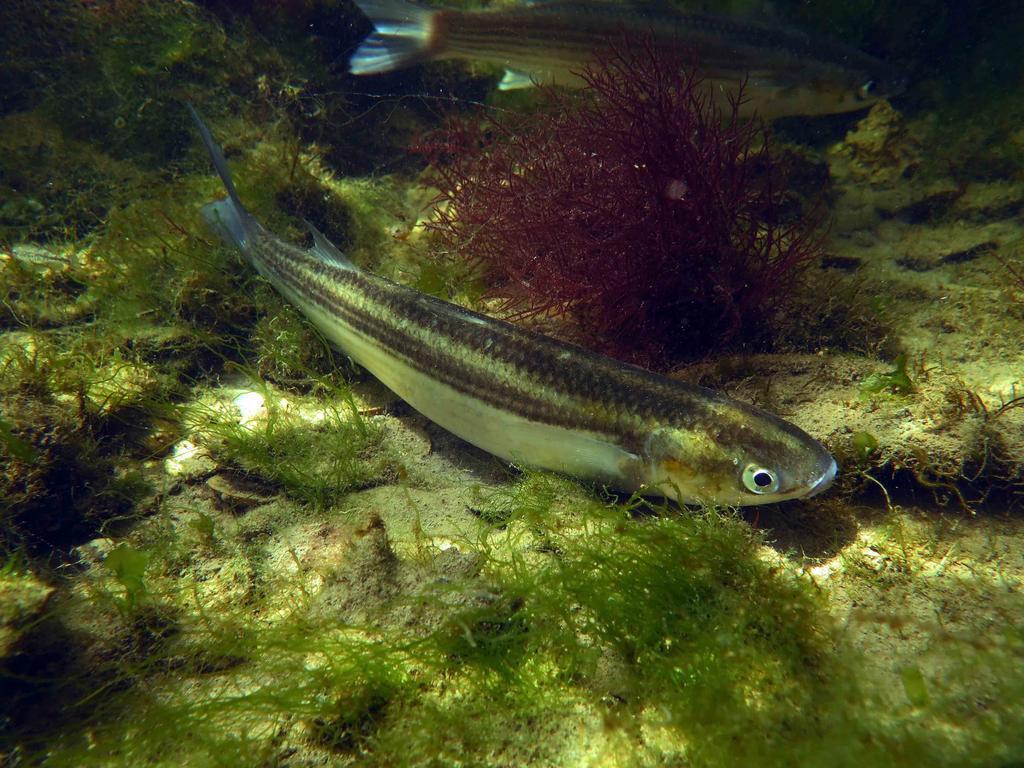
(22, 598)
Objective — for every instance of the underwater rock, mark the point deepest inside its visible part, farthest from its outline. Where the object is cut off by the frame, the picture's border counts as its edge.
(1003, 460)
(121, 387)
(928, 194)
(251, 408)
(22, 598)
(235, 493)
(991, 201)
(374, 584)
(189, 461)
(95, 551)
(880, 150)
(930, 203)
(42, 287)
(923, 262)
(366, 578)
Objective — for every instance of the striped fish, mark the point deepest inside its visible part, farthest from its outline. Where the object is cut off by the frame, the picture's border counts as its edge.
(786, 72)
(527, 398)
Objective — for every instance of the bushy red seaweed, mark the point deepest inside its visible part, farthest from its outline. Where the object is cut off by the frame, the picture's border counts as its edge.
(637, 208)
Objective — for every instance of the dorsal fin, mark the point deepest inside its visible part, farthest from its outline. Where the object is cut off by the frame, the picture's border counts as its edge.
(327, 250)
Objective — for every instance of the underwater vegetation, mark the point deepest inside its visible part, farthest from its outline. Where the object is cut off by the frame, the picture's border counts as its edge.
(315, 459)
(1015, 273)
(896, 381)
(71, 420)
(641, 212)
(334, 582)
(561, 630)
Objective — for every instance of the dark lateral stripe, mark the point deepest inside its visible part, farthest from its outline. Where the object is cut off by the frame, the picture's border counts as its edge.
(397, 306)
(477, 382)
(538, 360)
(523, 40)
(580, 390)
(558, 28)
(313, 283)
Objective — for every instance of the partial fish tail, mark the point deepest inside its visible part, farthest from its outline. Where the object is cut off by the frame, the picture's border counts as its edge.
(227, 217)
(236, 226)
(404, 35)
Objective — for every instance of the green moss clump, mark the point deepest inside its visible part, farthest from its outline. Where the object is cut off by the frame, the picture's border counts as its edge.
(591, 629)
(895, 382)
(698, 625)
(54, 188)
(61, 477)
(289, 351)
(316, 457)
(360, 714)
(124, 92)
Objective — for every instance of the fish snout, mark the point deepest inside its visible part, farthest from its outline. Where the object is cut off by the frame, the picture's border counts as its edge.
(825, 479)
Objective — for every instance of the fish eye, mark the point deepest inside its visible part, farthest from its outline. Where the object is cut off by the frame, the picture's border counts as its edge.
(760, 479)
(866, 90)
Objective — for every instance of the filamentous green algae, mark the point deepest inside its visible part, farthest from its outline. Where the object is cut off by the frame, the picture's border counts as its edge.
(222, 544)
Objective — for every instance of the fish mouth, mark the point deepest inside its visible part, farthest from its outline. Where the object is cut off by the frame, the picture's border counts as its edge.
(825, 480)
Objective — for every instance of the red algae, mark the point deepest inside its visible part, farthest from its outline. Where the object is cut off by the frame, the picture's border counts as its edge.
(640, 210)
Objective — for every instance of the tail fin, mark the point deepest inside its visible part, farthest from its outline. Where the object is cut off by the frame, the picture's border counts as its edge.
(227, 217)
(403, 36)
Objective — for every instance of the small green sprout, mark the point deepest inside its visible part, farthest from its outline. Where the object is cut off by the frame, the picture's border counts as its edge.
(14, 445)
(914, 685)
(204, 528)
(896, 381)
(129, 567)
(864, 445)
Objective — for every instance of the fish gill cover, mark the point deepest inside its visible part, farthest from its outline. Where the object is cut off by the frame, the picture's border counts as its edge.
(642, 211)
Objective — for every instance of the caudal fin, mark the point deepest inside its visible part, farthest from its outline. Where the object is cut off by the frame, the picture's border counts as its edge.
(403, 36)
(227, 217)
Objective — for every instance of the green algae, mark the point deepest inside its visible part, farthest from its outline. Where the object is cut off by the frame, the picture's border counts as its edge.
(675, 626)
(315, 459)
(59, 477)
(863, 445)
(914, 686)
(895, 382)
(122, 324)
(129, 567)
(290, 353)
(586, 632)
